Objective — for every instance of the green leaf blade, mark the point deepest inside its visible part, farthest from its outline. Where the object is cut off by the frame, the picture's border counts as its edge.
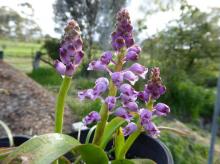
(92, 154)
(42, 149)
(111, 127)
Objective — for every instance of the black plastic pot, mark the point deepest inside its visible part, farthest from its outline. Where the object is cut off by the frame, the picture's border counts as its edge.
(18, 140)
(144, 147)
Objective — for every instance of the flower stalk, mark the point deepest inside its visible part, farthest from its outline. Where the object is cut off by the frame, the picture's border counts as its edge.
(60, 103)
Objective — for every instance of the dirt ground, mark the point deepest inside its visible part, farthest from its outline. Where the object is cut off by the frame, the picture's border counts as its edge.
(25, 106)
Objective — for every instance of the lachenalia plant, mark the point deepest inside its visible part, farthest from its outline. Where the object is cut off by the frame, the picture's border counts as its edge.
(136, 108)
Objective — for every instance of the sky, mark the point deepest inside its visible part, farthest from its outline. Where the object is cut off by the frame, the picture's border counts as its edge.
(44, 13)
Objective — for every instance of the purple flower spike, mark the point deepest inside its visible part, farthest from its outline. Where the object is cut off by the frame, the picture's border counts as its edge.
(139, 70)
(129, 129)
(97, 65)
(132, 106)
(131, 56)
(123, 31)
(117, 78)
(145, 116)
(110, 102)
(152, 129)
(91, 117)
(60, 67)
(122, 112)
(71, 53)
(106, 57)
(161, 109)
(131, 77)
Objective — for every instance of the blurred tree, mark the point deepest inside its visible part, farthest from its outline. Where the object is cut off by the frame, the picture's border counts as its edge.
(13, 25)
(188, 53)
(91, 16)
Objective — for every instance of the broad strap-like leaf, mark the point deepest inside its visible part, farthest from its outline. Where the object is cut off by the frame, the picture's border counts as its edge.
(92, 154)
(5, 151)
(110, 128)
(42, 149)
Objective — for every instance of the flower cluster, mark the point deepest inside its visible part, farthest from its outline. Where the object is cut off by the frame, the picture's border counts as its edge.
(71, 53)
(127, 103)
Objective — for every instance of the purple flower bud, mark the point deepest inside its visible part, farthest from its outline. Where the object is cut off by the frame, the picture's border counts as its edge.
(161, 109)
(129, 129)
(139, 70)
(131, 56)
(151, 128)
(71, 49)
(119, 43)
(122, 112)
(87, 94)
(110, 102)
(91, 117)
(69, 69)
(135, 48)
(144, 96)
(101, 86)
(97, 65)
(132, 106)
(78, 57)
(127, 90)
(131, 77)
(155, 90)
(145, 116)
(60, 67)
(106, 57)
(117, 78)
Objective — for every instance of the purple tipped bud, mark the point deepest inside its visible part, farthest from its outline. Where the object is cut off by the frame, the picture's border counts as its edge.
(132, 106)
(129, 129)
(135, 48)
(91, 117)
(60, 67)
(86, 94)
(127, 90)
(131, 77)
(144, 96)
(119, 43)
(117, 78)
(161, 109)
(122, 112)
(97, 65)
(110, 102)
(152, 129)
(101, 86)
(139, 70)
(131, 56)
(106, 57)
(145, 116)
(155, 90)
(78, 57)
(69, 69)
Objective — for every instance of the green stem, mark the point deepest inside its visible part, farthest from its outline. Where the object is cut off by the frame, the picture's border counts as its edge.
(60, 104)
(129, 142)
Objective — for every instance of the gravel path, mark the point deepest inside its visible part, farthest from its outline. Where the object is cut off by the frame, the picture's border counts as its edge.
(26, 106)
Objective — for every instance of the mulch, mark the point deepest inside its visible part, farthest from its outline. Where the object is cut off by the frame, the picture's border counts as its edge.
(25, 106)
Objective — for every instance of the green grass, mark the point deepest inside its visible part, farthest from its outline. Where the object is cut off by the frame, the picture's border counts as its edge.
(19, 54)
